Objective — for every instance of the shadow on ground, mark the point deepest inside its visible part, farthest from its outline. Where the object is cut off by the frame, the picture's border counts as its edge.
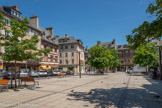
(147, 96)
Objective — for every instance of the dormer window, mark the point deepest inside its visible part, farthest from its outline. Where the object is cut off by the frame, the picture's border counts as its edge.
(35, 33)
(17, 14)
(28, 32)
(12, 12)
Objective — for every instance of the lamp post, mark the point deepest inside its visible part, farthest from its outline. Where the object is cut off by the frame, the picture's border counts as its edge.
(79, 67)
(79, 64)
(160, 65)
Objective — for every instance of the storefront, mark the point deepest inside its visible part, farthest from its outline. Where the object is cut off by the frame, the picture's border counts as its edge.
(44, 67)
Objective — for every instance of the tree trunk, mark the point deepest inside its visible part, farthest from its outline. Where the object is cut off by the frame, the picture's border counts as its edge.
(11, 75)
(15, 76)
(19, 76)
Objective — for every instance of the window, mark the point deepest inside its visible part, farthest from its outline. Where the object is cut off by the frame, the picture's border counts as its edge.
(127, 60)
(12, 12)
(45, 46)
(56, 60)
(61, 47)
(28, 32)
(35, 33)
(66, 54)
(7, 21)
(134, 52)
(60, 41)
(72, 46)
(126, 52)
(109, 46)
(60, 61)
(60, 54)
(72, 61)
(66, 47)
(125, 46)
(120, 53)
(19, 16)
(72, 54)
(6, 33)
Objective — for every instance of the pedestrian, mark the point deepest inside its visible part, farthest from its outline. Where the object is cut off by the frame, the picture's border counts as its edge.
(150, 73)
(155, 75)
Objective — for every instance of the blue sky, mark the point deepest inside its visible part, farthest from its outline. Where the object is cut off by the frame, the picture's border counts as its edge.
(88, 20)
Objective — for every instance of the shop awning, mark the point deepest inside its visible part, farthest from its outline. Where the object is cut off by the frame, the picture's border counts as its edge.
(44, 67)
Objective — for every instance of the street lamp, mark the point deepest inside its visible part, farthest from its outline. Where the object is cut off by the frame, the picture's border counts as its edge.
(160, 65)
(79, 64)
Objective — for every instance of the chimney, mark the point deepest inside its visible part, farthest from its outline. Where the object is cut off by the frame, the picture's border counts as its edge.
(15, 7)
(49, 37)
(66, 35)
(50, 29)
(86, 48)
(34, 20)
(113, 42)
(99, 43)
(53, 39)
(57, 36)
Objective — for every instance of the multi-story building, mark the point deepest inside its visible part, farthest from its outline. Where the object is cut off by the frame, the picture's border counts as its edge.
(126, 57)
(71, 53)
(45, 36)
(125, 54)
(47, 40)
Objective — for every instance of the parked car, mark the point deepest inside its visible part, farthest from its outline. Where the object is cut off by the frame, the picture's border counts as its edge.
(7, 75)
(63, 72)
(34, 73)
(56, 72)
(24, 73)
(50, 73)
(1, 74)
(70, 72)
(43, 73)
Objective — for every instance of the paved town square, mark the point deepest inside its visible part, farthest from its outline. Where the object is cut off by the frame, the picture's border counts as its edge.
(91, 91)
(80, 53)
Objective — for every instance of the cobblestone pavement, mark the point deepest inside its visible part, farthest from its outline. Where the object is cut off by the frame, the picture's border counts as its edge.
(115, 90)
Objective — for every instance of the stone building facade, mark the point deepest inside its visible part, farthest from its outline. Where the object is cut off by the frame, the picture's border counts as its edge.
(12, 12)
(47, 40)
(126, 57)
(71, 53)
(125, 54)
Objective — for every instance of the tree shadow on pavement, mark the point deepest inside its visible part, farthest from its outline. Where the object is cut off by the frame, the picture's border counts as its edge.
(117, 97)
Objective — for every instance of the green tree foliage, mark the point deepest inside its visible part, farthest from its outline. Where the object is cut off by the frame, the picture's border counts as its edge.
(155, 8)
(146, 55)
(145, 31)
(101, 57)
(16, 47)
(115, 61)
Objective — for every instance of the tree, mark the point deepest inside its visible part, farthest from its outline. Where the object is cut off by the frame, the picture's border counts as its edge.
(101, 57)
(16, 47)
(145, 31)
(115, 62)
(146, 55)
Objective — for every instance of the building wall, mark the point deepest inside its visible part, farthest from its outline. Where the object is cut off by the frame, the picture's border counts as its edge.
(69, 57)
(30, 33)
